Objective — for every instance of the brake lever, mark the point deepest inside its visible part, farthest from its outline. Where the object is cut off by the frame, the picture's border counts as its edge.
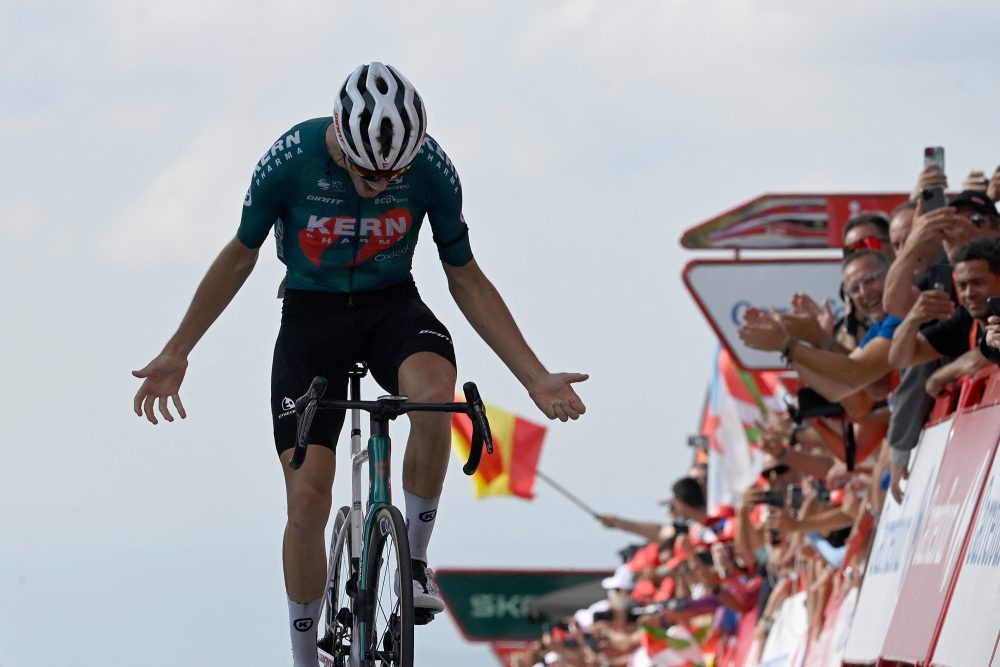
(305, 407)
(480, 428)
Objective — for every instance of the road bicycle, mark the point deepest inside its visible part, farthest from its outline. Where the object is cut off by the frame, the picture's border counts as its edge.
(367, 616)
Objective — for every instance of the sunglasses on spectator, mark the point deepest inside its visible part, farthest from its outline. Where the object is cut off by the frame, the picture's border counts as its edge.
(867, 243)
(374, 175)
(854, 291)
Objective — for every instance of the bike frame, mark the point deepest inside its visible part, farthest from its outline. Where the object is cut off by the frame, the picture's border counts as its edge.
(377, 455)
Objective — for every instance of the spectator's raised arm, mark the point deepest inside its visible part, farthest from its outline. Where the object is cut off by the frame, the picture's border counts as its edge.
(909, 347)
(922, 245)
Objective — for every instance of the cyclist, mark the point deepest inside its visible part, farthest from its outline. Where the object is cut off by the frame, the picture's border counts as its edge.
(345, 197)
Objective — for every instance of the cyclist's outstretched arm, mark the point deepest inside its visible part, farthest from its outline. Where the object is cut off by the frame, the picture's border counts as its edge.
(162, 376)
(486, 311)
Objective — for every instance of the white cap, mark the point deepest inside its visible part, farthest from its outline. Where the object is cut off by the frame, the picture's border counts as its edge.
(621, 580)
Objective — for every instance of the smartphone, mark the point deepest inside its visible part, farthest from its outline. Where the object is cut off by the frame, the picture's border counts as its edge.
(681, 527)
(793, 496)
(772, 498)
(934, 155)
(933, 199)
(994, 302)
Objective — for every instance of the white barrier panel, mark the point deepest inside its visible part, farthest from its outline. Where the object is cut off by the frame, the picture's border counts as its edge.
(787, 634)
(971, 629)
(841, 630)
(890, 556)
(935, 561)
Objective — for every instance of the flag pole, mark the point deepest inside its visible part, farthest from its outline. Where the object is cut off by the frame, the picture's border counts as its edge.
(576, 501)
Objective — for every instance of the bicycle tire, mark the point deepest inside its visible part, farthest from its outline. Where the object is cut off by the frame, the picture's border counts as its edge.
(389, 621)
(338, 609)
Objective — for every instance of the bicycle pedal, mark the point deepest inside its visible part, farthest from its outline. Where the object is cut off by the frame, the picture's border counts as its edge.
(422, 617)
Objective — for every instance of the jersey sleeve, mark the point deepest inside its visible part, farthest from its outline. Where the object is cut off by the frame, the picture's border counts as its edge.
(267, 195)
(451, 234)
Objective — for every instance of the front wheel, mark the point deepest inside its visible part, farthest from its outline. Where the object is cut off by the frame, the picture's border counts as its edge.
(341, 587)
(389, 587)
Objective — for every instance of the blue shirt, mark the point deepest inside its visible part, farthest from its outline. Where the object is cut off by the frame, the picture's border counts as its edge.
(884, 329)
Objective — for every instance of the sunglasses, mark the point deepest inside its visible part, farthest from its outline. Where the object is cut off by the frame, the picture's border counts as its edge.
(776, 471)
(867, 243)
(868, 281)
(374, 176)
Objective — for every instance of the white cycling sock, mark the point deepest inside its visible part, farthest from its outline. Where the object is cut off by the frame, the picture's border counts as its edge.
(303, 619)
(420, 516)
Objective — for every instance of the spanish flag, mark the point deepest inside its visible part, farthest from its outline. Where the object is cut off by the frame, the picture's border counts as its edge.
(517, 444)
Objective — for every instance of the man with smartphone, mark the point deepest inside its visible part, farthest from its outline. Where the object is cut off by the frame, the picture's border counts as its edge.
(957, 332)
(924, 232)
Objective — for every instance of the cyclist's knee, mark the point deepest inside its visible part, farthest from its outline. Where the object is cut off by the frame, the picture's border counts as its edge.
(427, 378)
(309, 507)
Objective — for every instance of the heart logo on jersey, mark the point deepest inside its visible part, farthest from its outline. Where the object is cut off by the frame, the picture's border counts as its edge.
(377, 234)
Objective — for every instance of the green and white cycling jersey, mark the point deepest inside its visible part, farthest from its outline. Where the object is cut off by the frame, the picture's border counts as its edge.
(330, 238)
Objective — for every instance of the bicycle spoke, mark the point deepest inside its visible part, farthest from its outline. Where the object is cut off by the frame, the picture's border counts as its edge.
(389, 639)
(337, 615)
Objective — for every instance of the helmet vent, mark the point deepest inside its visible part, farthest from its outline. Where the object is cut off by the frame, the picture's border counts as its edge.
(381, 85)
(385, 136)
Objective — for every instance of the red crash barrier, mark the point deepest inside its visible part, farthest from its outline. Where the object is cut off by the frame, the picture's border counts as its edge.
(939, 556)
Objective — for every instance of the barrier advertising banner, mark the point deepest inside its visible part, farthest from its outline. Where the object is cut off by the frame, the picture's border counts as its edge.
(927, 584)
(971, 629)
(894, 542)
(783, 647)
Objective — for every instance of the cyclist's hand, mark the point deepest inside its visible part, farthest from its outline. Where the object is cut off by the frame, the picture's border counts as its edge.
(162, 379)
(554, 395)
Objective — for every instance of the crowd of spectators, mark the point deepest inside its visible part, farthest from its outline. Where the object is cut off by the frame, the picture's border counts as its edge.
(917, 319)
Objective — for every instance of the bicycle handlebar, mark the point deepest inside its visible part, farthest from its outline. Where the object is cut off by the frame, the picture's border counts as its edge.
(390, 407)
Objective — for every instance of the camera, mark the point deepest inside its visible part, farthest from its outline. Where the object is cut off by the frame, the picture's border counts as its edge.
(811, 404)
(698, 441)
(791, 497)
(772, 498)
(933, 199)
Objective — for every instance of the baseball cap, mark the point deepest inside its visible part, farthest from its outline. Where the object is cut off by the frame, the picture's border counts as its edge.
(621, 580)
(975, 199)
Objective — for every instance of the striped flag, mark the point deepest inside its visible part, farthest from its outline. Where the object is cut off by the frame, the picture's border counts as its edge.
(738, 399)
(517, 444)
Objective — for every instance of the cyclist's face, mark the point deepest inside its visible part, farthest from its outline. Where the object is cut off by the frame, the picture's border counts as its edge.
(366, 188)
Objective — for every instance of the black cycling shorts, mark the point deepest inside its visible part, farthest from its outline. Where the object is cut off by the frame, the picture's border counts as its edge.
(326, 333)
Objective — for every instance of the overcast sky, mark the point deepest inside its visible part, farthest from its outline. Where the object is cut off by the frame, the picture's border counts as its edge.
(588, 136)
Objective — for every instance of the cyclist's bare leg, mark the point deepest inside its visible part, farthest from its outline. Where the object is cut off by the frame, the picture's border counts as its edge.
(309, 496)
(426, 377)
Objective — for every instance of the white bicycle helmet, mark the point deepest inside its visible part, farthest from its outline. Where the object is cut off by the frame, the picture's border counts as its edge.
(379, 118)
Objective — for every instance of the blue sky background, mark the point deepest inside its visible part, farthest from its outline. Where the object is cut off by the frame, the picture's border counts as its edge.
(588, 136)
